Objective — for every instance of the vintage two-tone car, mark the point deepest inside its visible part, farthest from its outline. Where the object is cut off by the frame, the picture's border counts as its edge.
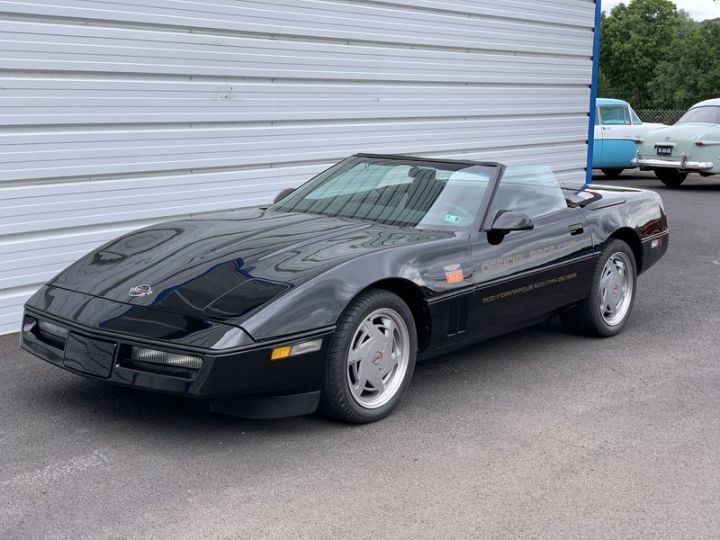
(617, 129)
(691, 145)
(327, 298)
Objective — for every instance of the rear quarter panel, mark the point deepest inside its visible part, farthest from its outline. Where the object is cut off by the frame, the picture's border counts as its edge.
(620, 211)
(710, 149)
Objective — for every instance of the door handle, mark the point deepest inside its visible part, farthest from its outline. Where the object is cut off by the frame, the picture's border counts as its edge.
(576, 229)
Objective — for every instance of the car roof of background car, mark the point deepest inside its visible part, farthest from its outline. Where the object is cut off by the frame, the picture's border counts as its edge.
(611, 101)
(433, 160)
(710, 102)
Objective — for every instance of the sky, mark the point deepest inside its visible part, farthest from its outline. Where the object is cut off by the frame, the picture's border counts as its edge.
(698, 9)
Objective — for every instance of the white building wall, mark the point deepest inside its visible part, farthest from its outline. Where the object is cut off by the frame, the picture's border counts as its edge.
(117, 114)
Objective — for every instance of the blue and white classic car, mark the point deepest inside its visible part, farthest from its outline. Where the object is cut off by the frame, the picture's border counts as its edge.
(691, 145)
(617, 129)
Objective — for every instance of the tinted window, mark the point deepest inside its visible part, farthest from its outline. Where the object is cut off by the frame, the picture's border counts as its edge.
(614, 115)
(534, 191)
(708, 115)
(402, 192)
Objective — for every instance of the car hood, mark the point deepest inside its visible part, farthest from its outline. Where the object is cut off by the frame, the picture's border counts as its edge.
(224, 267)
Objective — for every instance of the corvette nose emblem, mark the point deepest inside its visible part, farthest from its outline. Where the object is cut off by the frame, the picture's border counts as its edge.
(141, 290)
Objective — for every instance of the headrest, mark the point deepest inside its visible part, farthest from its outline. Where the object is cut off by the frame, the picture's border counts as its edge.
(423, 173)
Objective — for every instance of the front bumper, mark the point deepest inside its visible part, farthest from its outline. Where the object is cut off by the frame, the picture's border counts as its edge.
(244, 381)
(683, 164)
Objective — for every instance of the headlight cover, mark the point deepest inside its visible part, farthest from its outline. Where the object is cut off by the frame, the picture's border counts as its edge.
(53, 329)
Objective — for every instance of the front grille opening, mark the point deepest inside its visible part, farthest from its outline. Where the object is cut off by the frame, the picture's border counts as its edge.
(159, 362)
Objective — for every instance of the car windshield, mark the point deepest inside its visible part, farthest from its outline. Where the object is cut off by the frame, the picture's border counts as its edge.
(393, 191)
(707, 115)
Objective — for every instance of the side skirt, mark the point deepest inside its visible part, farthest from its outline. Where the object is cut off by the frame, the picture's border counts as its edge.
(452, 347)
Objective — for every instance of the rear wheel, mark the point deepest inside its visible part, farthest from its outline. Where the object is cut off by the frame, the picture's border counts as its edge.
(671, 177)
(612, 173)
(371, 360)
(607, 309)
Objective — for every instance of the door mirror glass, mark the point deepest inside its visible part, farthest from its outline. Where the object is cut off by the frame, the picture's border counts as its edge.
(284, 193)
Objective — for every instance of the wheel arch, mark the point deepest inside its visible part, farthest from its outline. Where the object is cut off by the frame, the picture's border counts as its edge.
(632, 239)
(412, 295)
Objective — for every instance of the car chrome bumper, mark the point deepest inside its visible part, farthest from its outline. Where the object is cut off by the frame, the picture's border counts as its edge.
(683, 164)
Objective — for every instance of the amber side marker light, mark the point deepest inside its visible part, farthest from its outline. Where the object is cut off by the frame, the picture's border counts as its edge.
(286, 351)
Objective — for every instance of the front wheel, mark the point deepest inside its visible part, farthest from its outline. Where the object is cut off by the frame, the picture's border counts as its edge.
(607, 309)
(371, 360)
(612, 173)
(670, 177)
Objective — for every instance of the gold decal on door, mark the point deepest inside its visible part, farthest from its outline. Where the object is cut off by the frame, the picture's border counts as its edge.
(528, 288)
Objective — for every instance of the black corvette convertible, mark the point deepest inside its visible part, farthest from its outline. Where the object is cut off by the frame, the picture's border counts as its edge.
(326, 298)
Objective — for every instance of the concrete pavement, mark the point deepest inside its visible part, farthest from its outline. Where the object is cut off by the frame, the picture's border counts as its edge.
(535, 434)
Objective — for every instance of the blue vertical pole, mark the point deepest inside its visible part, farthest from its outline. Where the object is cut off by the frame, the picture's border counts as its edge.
(594, 90)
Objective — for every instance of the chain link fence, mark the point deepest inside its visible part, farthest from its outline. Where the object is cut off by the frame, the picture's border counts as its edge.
(660, 116)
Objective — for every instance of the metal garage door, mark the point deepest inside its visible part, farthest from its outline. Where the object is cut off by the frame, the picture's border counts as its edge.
(116, 114)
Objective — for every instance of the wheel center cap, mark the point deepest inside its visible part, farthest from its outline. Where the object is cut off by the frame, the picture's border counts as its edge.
(378, 358)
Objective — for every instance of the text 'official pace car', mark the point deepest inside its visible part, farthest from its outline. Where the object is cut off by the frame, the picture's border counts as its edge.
(328, 297)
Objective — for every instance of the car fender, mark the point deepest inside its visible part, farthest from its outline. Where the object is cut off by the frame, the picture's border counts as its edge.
(319, 302)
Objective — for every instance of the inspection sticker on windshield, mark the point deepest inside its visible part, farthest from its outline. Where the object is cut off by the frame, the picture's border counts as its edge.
(454, 273)
(455, 220)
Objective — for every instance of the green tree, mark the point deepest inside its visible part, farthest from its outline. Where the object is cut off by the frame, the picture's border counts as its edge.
(692, 73)
(635, 39)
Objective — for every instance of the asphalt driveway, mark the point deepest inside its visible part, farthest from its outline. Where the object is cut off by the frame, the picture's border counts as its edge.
(536, 434)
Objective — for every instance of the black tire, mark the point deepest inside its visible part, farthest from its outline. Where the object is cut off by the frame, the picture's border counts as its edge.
(670, 177)
(612, 173)
(586, 317)
(337, 400)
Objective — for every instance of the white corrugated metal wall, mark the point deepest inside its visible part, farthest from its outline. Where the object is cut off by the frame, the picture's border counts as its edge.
(118, 113)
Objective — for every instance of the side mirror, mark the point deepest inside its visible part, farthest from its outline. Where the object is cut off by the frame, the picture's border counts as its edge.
(510, 221)
(284, 193)
(507, 222)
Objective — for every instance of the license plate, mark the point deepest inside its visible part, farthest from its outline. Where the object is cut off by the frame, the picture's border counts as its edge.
(91, 356)
(664, 150)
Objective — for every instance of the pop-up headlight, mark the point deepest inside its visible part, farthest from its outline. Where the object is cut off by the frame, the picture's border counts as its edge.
(52, 332)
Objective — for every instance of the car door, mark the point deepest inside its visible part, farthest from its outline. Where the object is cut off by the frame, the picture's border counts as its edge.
(597, 143)
(618, 135)
(530, 274)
